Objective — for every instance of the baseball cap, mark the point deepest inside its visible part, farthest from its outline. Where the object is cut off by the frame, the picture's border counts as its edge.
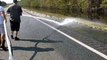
(15, 1)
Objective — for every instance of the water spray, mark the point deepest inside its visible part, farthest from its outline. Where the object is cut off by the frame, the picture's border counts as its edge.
(67, 21)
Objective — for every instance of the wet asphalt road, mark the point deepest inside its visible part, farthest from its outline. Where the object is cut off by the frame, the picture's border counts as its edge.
(40, 42)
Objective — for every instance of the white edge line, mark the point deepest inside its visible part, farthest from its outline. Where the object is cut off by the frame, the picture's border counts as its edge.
(8, 43)
(73, 39)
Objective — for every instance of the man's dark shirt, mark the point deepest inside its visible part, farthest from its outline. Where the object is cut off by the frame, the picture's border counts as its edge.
(15, 12)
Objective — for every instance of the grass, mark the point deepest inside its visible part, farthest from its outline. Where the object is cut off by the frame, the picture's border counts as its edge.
(95, 34)
(59, 16)
(94, 25)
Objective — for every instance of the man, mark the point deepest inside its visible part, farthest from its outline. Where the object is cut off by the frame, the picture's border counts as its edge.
(2, 32)
(15, 13)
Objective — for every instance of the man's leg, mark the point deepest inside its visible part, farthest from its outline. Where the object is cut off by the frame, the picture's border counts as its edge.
(12, 34)
(12, 25)
(16, 33)
(17, 30)
(3, 43)
(0, 39)
(16, 38)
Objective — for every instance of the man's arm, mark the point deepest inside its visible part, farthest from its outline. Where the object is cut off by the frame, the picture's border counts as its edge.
(21, 10)
(4, 15)
(8, 11)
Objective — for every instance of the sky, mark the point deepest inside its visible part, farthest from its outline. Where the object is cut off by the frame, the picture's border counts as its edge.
(8, 1)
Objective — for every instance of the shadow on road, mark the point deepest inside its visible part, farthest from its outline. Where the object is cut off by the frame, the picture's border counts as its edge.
(35, 48)
(41, 41)
(2, 59)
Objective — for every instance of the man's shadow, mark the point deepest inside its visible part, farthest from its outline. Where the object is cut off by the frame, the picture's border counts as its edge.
(1, 59)
(35, 48)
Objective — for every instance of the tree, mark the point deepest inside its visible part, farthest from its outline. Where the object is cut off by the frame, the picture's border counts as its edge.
(3, 3)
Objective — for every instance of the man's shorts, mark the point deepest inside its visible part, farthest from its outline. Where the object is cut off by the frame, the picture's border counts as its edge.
(15, 26)
(2, 29)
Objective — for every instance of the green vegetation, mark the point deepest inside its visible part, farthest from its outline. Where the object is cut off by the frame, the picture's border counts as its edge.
(92, 9)
(3, 3)
(95, 34)
(65, 5)
(104, 4)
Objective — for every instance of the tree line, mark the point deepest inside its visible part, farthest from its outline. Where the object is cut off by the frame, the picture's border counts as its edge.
(67, 5)
(3, 3)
